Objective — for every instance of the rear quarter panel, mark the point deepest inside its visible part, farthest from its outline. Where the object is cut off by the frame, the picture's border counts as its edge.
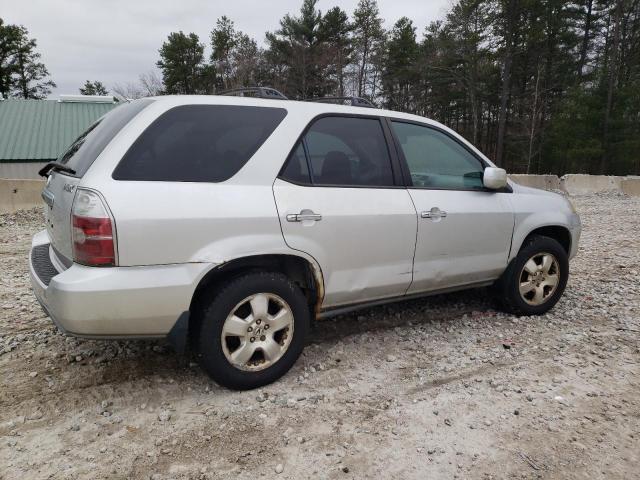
(179, 222)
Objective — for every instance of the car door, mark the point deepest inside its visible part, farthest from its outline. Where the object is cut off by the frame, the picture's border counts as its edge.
(340, 200)
(464, 229)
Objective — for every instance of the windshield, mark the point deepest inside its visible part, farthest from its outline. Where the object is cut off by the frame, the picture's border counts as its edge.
(86, 148)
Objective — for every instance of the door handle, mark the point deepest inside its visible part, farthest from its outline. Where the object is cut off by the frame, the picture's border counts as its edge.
(303, 216)
(435, 212)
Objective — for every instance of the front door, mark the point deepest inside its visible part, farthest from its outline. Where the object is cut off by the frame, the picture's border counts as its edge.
(339, 201)
(464, 230)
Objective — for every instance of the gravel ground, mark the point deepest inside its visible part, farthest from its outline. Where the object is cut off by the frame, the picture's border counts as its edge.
(444, 387)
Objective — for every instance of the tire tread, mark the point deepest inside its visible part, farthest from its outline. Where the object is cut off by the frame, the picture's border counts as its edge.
(214, 311)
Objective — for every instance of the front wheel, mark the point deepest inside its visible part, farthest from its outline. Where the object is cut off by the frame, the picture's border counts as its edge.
(535, 280)
(253, 331)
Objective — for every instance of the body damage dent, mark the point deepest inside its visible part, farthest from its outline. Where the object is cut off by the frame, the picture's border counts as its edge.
(319, 289)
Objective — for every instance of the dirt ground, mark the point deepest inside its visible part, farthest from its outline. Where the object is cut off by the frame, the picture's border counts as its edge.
(444, 387)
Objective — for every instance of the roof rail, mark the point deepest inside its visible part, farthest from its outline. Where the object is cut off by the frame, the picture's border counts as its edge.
(260, 92)
(353, 101)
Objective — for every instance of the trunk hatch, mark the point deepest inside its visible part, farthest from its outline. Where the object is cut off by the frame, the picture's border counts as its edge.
(58, 194)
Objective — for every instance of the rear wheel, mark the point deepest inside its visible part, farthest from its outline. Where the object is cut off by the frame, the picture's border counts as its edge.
(535, 280)
(253, 330)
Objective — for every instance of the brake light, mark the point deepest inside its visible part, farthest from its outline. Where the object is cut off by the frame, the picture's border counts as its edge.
(92, 231)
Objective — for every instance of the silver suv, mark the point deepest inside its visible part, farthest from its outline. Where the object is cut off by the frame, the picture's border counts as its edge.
(229, 223)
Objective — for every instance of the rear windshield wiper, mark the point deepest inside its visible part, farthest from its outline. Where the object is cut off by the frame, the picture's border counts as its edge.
(57, 166)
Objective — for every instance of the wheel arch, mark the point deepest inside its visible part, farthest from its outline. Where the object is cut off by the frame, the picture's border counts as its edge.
(303, 271)
(560, 233)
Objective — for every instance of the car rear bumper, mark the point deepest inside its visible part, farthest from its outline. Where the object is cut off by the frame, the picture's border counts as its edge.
(111, 302)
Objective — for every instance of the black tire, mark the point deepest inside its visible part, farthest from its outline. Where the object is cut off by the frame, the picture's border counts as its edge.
(507, 288)
(214, 313)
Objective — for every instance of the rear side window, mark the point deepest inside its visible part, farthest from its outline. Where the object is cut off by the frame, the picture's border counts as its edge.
(296, 169)
(198, 143)
(86, 148)
(342, 151)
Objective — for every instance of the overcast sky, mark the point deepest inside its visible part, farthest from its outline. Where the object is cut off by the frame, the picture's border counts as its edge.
(116, 40)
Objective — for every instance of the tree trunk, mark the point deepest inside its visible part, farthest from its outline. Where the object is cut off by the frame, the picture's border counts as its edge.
(22, 76)
(504, 100)
(534, 116)
(585, 41)
(340, 74)
(506, 78)
(363, 64)
(612, 80)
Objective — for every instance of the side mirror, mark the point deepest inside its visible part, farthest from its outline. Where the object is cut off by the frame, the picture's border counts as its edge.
(494, 178)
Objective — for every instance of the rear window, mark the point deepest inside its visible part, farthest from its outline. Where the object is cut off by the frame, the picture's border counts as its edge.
(86, 148)
(199, 143)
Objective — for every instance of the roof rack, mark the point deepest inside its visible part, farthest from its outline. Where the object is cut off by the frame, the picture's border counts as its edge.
(268, 92)
(353, 101)
(260, 92)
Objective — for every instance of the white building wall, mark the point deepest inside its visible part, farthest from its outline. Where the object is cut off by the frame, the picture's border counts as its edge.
(21, 170)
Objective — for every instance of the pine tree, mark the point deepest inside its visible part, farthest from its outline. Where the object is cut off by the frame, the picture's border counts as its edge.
(335, 30)
(507, 29)
(93, 88)
(369, 39)
(182, 65)
(298, 47)
(538, 85)
(9, 35)
(247, 61)
(235, 56)
(22, 74)
(224, 39)
(458, 70)
(401, 74)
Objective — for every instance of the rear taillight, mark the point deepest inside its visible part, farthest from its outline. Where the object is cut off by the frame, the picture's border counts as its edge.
(92, 231)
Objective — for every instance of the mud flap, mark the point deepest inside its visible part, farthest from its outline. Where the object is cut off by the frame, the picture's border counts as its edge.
(179, 333)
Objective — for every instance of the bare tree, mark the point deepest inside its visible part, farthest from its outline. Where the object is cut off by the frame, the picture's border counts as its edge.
(151, 84)
(127, 91)
(148, 85)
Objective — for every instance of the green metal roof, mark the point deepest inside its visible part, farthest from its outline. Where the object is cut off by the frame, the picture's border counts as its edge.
(40, 130)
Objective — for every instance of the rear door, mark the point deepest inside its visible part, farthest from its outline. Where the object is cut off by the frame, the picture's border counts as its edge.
(464, 230)
(340, 200)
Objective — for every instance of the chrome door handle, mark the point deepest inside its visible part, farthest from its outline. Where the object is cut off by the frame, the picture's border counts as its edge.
(303, 216)
(434, 213)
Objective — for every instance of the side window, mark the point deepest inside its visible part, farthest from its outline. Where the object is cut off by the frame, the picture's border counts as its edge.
(198, 143)
(296, 170)
(435, 160)
(348, 151)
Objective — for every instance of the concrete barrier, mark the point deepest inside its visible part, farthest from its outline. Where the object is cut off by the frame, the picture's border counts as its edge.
(631, 186)
(545, 182)
(582, 184)
(20, 194)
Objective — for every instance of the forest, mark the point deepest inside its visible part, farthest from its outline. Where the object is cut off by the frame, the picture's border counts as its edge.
(540, 86)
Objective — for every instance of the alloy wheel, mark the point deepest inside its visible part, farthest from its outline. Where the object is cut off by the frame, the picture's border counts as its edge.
(539, 278)
(257, 332)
